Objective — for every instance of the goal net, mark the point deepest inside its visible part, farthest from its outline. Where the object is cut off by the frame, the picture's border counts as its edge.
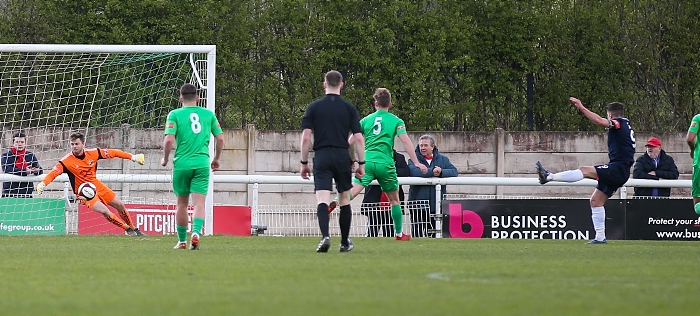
(118, 97)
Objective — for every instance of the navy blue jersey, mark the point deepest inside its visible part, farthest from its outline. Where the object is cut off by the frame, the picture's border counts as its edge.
(621, 141)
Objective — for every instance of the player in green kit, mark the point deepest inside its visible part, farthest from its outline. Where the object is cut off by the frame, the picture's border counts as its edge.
(380, 129)
(190, 128)
(691, 139)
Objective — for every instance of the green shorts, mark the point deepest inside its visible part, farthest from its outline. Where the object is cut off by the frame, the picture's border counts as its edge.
(191, 181)
(384, 173)
(695, 188)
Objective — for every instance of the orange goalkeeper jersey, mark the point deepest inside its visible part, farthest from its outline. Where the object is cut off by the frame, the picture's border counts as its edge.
(81, 169)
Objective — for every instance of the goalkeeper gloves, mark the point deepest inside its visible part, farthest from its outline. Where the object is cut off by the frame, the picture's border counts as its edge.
(40, 187)
(140, 159)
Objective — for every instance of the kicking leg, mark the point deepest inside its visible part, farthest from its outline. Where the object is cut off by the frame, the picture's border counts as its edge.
(566, 176)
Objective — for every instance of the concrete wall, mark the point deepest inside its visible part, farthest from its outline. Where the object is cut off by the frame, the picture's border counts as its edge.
(249, 151)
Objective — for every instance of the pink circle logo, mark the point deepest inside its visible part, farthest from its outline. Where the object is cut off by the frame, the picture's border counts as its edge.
(459, 217)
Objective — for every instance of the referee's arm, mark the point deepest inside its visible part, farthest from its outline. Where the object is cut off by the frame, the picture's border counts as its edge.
(305, 144)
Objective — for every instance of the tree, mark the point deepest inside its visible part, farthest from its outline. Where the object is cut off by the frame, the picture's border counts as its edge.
(451, 65)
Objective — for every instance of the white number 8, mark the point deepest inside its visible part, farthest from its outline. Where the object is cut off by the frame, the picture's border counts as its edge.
(195, 125)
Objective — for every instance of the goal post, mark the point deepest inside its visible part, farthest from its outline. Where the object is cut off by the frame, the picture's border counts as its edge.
(119, 97)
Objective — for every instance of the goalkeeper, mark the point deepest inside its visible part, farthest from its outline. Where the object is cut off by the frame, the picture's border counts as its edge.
(81, 166)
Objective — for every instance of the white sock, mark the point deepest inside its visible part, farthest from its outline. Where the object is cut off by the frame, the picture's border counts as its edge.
(598, 216)
(567, 176)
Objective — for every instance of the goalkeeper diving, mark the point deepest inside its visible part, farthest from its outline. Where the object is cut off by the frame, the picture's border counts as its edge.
(81, 166)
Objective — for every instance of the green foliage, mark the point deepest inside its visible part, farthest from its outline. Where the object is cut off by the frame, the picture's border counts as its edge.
(451, 65)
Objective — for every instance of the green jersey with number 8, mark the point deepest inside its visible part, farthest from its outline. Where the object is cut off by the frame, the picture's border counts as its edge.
(192, 127)
(380, 129)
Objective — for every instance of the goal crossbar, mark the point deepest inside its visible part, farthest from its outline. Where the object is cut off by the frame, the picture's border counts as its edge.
(80, 48)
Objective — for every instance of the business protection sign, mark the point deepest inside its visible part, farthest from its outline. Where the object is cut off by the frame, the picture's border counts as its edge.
(529, 219)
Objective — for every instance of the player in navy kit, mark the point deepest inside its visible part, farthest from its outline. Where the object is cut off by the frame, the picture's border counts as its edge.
(610, 176)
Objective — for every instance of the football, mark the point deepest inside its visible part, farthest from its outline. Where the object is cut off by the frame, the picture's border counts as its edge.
(87, 191)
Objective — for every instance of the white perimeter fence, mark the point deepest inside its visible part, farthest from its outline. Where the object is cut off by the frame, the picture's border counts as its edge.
(277, 225)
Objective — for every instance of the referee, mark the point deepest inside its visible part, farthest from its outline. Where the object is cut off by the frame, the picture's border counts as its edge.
(331, 119)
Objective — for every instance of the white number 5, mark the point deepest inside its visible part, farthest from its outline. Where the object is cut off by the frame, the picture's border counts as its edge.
(377, 126)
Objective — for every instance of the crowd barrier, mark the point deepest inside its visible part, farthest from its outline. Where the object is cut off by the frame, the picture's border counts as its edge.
(559, 218)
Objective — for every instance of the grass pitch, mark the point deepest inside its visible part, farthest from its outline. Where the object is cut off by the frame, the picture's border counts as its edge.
(118, 275)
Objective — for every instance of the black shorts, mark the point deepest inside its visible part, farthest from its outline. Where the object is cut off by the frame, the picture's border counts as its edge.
(329, 164)
(612, 176)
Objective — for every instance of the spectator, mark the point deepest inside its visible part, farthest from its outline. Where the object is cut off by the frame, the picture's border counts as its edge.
(20, 162)
(655, 164)
(438, 166)
(375, 204)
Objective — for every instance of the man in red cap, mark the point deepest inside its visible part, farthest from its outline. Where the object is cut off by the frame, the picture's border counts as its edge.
(655, 164)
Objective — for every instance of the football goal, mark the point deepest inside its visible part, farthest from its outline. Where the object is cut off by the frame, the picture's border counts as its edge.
(118, 96)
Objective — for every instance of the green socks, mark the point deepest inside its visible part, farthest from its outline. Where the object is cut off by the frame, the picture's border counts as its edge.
(196, 228)
(181, 233)
(197, 225)
(397, 216)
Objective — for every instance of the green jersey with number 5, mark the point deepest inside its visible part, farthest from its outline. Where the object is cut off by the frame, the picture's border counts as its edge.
(380, 129)
(192, 127)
